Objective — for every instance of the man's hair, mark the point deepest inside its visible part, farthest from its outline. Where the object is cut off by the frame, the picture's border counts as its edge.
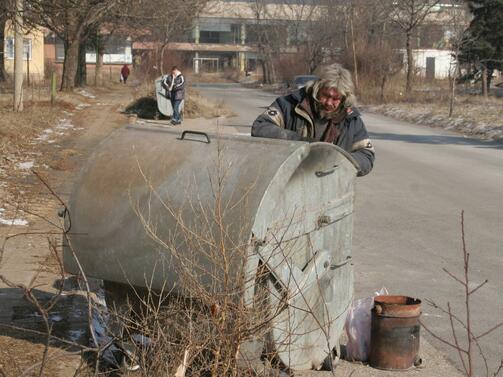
(174, 67)
(337, 77)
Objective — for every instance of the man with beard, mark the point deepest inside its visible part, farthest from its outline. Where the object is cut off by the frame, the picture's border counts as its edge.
(321, 111)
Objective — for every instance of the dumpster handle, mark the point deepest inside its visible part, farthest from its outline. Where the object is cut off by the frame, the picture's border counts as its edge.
(182, 137)
(323, 173)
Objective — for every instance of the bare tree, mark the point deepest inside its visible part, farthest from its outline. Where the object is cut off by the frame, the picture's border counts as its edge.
(319, 26)
(18, 57)
(464, 338)
(70, 20)
(408, 15)
(457, 24)
(5, 7)
(163, 22)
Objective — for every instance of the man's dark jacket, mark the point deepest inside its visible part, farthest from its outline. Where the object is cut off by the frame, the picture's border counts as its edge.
(177, 91)
(290, 117)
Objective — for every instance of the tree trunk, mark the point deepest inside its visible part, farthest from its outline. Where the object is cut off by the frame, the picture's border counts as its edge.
(18, 57)
(98, 69)
(452, 95)
(383, 85)
(272, 70)
(70, 64)
(490, 72)
(410, 64)
(81, 74)
(452, 82)
(355, 63)
(98, 74)
(161, 58)
(484, 82)
(3, 21)
(269, 73)
(266, 71)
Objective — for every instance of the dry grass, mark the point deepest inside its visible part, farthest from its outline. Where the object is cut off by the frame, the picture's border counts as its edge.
(429, 105)
(16, 356)
(472, 115)
(17, 128)
(220, 77)
(198, 106)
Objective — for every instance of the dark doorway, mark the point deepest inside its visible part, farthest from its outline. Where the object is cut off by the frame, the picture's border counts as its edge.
(430, 68)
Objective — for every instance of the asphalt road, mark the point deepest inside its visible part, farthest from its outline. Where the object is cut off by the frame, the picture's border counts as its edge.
(408, 218)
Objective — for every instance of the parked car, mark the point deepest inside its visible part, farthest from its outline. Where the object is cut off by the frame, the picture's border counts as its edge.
(300, 81)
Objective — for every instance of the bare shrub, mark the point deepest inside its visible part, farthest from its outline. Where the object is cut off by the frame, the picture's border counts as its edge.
(464, 338)
(292, 66)
(221, 300)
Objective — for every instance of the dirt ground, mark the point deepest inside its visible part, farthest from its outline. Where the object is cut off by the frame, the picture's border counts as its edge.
(52, 141)
(43, 149)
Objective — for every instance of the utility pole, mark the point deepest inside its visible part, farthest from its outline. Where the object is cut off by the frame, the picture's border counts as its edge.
(18, 57)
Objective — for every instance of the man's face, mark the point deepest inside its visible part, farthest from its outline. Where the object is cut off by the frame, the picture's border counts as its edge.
(330, 99)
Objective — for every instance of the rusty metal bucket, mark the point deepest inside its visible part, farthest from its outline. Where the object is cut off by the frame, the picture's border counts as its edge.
(394, 339)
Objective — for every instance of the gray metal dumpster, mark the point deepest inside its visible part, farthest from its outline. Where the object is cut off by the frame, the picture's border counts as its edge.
(150, 196)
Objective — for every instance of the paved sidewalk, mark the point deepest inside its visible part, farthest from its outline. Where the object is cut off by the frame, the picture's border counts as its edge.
(434, 365)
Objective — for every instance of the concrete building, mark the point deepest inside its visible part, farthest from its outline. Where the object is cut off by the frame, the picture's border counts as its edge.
(433, 63)
(227, 33)
(432, 53)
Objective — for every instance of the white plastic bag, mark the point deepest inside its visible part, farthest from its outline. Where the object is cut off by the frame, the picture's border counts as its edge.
(358, 327)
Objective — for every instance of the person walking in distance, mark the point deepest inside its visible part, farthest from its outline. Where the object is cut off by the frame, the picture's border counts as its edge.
(174, 84)
(321, 111)
(124, 73)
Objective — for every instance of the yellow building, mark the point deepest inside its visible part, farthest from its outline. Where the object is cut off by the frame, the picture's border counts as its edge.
(33, 53)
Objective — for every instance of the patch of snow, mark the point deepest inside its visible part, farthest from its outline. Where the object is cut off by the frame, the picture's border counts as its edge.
(64, 124)
(25, 165)
(44, 135)
(81, 106)
(18, 222)
(85, 93)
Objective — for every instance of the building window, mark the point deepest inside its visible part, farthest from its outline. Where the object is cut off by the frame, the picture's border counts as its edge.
(9, 48)
(60, 50)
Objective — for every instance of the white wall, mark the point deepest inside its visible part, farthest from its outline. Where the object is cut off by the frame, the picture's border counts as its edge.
(125, 58)
(443, 61)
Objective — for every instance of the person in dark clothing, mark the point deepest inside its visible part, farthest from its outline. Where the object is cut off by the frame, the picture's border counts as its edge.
(322, 111)
(175, 89)
(124, 73)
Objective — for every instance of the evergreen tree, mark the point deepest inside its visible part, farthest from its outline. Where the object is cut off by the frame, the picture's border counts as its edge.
(482, 45)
